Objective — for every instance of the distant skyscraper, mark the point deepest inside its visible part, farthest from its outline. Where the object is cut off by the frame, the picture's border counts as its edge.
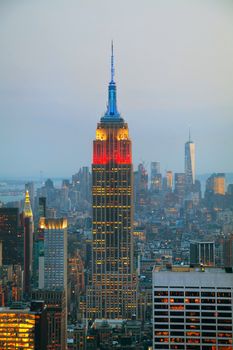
(169, 178)
(55, 252)
(180, 186)
(29, 186)
(215, 184)
(155, 177)
(12, 240)
(112, 293)
(189, 164)
(28, 244)
(53, 283)
(42, 207)
(154, 168)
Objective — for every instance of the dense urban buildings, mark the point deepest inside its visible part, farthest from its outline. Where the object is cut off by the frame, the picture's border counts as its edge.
(121, 257)
(112, 293)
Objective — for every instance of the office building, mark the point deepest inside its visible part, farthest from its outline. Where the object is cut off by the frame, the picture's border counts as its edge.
(179, 189)
(38, 259)
(155, 176)
(22, 327)
(56, 317)
(228, 251)
(215, 184)
(28, 245)
(140, 186)
(0, 253)
(202, 253)
(55, 252)
(42, 207)
(192, 309)
(169, 180)
(154, 168)
(11, 237)
(29, 186)
(189, 164)
(156, 183)
(112, 291)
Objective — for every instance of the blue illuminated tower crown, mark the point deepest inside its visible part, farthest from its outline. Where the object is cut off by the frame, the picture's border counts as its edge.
(112, 113)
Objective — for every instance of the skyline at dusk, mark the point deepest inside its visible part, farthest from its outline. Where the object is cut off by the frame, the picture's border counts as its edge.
(171, 75)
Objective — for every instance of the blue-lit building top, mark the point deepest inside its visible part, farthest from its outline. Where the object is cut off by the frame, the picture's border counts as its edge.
(112, 114)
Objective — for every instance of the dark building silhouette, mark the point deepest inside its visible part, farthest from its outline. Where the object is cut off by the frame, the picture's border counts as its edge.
(56, 317)
(202, 253)
(42, 207)
(11, 237)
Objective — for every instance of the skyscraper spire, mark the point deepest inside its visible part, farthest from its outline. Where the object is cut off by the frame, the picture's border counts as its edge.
(189, 135)
(112, 113)
(27, 210)
(112, 65)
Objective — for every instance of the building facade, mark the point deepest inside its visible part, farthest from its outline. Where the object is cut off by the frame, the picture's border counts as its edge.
(192, 309)
(202, 253)
(23, 328)
(215, 184)
(10, 236)
(55, 252)
(56, 317)
(112, 290)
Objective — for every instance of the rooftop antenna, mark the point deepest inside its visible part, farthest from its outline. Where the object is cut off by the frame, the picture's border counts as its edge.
(112, 64)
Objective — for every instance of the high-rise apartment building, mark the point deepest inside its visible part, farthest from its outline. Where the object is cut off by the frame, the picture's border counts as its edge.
(189, 164)
(22, 327)
(112, 291)
(192, 309)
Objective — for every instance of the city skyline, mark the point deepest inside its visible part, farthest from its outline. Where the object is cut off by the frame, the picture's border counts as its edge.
(171, 74)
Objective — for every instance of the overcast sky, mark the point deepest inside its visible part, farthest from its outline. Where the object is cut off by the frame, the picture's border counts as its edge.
(174, 70)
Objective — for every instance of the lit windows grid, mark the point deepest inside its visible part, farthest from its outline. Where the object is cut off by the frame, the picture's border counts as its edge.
(55, 265)
(17, 331)
(189, 317)
(112, 293)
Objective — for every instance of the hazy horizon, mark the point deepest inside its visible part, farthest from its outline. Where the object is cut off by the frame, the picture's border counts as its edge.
(173, 71)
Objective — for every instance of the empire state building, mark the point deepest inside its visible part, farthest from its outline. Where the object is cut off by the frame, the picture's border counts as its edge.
(113, 287)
